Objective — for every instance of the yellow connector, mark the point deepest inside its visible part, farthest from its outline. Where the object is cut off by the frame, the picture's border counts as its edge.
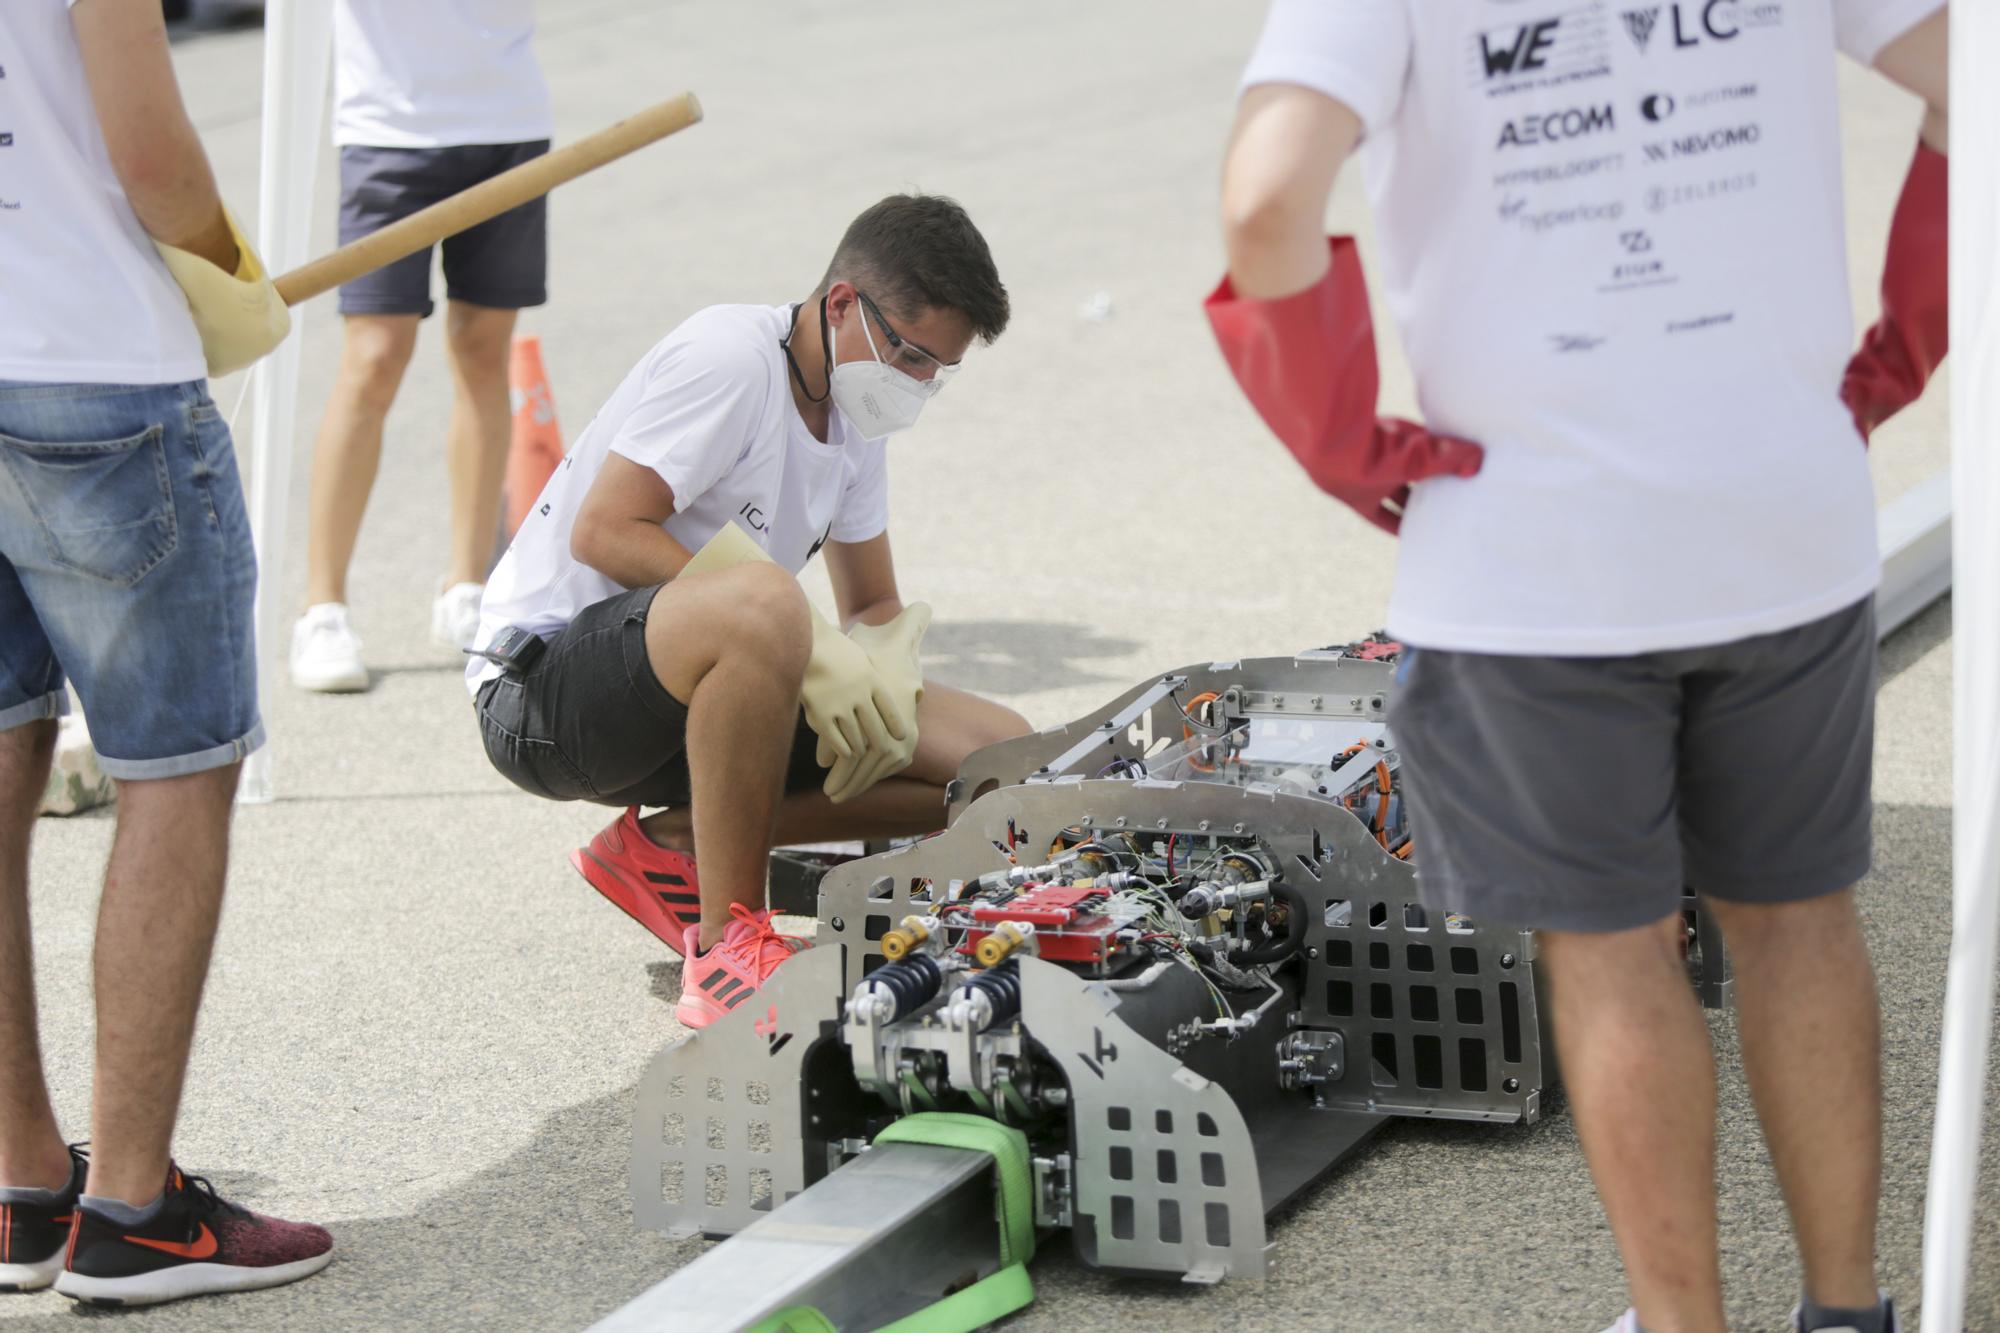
(1007, 939)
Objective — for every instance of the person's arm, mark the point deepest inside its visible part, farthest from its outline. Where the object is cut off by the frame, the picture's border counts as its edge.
(1287, 147)
(1920, 60)
(617, 530)
(864, 581)
(154, 149)
(1901, 351)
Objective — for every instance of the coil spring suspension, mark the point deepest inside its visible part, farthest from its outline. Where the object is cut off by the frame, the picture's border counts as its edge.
(1001, 989)
(906, 985)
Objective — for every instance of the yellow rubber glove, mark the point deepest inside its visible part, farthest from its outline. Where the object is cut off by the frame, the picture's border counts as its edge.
(893, 648)
(846, 704)
(239, 316)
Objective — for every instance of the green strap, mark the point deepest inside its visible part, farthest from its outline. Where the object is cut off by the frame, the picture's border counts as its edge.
(1008, 1147)
(798, 1319)
(982, 1303)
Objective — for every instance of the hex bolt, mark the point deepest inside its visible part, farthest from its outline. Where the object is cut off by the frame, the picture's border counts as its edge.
(1311, 952)
(1202, 827)
(1160, 824)
(1506, 960)
(1238, 827)
(1511, 1085)
(838, 924)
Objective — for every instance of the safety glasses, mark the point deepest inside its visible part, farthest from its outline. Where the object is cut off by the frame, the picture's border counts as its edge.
(903, 355)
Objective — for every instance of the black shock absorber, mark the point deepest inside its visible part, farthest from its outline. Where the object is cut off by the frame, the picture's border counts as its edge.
(992, 996)
(900, 988)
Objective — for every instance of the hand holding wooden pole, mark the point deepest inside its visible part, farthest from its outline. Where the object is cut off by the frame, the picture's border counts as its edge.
(488, 199)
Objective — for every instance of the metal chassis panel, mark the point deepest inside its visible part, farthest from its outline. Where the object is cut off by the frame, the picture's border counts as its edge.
(1326, 852)
(720, 1121)
(1146, 717)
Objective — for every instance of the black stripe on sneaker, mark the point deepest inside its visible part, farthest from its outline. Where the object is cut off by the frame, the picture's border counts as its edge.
(734, 982)
(737, 998)
(708, 982)
(661, 877)
(678, 899)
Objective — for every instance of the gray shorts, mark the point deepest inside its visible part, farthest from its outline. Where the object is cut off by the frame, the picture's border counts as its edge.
(1582, 793)
(502, 263)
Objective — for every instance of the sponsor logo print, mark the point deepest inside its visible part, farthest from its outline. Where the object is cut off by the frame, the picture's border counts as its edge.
(1656, 107)
(754, 516)
(1564, 343)
(1735, 92)
(1511, 206)
(1663, 197)
(1571, 215)
(1693, 22)
(1698, 145)
(1558, 172)
(6, 141)
(1702, 322)
(1636, 242)
(1528, 50)
(1556, 126)
(1639, 273)
(1639, 24)
(1540, 53)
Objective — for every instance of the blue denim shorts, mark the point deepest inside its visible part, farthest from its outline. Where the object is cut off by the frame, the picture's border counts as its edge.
(126, 567)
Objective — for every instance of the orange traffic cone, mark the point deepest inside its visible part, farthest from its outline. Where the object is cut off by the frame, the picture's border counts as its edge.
(537, 448)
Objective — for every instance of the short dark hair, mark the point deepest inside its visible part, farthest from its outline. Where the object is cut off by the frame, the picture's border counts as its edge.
(912, 252)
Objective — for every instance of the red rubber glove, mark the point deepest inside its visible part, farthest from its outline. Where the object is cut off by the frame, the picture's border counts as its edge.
(1307, 364)
(1910, 340)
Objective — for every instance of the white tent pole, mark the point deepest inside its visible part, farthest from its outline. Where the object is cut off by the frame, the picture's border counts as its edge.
(298, 34)
(1975, 465)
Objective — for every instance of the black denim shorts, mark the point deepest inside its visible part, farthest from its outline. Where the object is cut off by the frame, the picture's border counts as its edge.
(589, 721)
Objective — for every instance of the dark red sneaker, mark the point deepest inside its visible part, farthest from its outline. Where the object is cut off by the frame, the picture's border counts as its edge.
(34, 1230)
(196, 1244)
(655, 886)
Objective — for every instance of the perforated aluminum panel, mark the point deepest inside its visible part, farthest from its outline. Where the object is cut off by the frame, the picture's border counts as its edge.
(718, 1138)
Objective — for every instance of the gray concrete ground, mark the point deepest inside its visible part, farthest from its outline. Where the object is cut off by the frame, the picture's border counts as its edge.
(424, 1030)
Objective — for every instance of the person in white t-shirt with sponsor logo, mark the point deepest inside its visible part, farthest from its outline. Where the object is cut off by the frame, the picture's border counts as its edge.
(644, 642)
(431, 99)
(1638, 551)
(126, 572)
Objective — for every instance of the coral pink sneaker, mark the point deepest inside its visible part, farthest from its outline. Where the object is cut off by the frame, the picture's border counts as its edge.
(654, 885)
(715, 982)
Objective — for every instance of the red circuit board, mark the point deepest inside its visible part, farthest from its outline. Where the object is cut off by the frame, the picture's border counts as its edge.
(1067, 930)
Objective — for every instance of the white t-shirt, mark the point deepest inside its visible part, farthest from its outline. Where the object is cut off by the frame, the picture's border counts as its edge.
(84, 297)
(437, 73)
(710, 409)
(1613, 236)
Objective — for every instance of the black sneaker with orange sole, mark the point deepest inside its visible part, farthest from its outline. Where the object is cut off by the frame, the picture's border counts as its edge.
(34, 1230)
(195, 1244)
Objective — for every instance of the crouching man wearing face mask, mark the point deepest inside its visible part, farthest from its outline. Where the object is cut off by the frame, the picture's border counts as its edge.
(647, 644)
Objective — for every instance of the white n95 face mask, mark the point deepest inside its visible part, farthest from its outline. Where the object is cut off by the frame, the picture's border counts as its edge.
(879, 399)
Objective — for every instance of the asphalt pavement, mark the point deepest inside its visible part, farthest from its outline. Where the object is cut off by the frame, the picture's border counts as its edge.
(424, 1030)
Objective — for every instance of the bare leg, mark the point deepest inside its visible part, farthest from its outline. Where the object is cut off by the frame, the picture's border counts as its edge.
(951, 724)
(375, 350)
(32, 1155)
(477, 339)
(1641, 1080)
(736, 652)
(1807, 1012)
(155, 929)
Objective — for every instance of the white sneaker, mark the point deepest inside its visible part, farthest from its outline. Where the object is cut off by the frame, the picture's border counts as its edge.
(455, 615)
(326, 652)
(1627, 1323)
